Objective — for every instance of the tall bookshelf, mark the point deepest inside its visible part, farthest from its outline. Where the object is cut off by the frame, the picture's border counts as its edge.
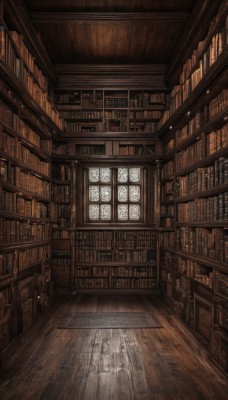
(28, 121)
(194, 193)
(109, 128)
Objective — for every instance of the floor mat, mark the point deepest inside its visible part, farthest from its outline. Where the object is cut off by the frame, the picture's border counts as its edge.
(113, 320)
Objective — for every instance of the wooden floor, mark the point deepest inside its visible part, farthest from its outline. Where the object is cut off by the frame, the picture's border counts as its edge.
(117, 364)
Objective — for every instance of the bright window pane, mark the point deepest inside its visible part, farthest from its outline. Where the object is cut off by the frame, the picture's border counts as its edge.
(105, 212)
(122, 193)
(94, 212)
(94, 174)
(134, 193)
(134, 212)
(105, 193)
(122, 212)
(122, 175)
(94, 193)
(105, 175)
(134, 174)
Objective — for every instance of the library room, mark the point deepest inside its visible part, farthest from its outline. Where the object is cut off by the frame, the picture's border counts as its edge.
(113, 200)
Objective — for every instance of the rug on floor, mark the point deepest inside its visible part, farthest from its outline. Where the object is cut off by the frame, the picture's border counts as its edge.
(107, 320)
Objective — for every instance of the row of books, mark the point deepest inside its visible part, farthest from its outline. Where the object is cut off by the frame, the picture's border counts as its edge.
(119, 125)
(93, 272)
(206, 242)
(32, 256)
(6, 300)
(217, 140)
(221, 283)
(73, 127)
(29, 182)
(17, 150)
(14, 231)
(58, 261)
(189, 129)
(167, 240)
(24, 113)
(15, 54)
(132, 283)
(167, 222)
(95, 235)
(169, 145)
(191, 155)
(116, 114)
(219, 103)
(33, 161)
(61, 193)
(196, 67)
(203, 179)
(142, 256)
(82, 114)
(90, 149)
(10, 142)
(213, 208)
(92, 283)
(167, 259)
(87, 255)
(146, 243)
(167, 191)
(145, 114)
(131, 150)
(199, 272)
(116, 101)
(12, 203)
(141, 127)
(167, 170)
(146, 99)
(98, 244)
(137, 272)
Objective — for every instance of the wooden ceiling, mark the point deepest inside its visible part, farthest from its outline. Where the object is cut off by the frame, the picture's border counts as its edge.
(110, 31)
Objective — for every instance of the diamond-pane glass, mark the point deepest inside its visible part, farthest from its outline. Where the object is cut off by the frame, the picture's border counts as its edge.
(94, 174)
(105, 193)
(105, 175)
(134, 193)
(94, 212)
(122, 212)
(122, 193)
(134, 174)
(134, 212)
(105, 212)
(94, 193)
(122, 175)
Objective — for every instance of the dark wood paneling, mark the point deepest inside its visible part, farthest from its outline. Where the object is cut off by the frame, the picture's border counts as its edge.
(109, 42)
(110, 5)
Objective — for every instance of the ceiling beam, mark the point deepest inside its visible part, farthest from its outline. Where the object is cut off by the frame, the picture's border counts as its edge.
(117, 69)
(97, 17)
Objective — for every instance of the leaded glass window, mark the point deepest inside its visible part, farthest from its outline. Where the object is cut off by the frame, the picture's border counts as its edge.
(115, 194)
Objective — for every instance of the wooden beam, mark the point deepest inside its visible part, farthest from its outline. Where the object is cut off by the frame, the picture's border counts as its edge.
(98, 17)
(107, 69)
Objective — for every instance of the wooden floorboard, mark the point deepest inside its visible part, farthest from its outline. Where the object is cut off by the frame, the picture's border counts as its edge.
(166, 363)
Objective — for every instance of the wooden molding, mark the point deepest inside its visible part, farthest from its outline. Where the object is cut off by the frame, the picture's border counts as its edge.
(77, 17)
(72, 76)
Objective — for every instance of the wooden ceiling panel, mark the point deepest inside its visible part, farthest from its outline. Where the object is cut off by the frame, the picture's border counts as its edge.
(110, 5)
(110, 42)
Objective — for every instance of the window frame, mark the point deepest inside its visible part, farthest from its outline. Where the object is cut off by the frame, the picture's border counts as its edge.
(114, 195)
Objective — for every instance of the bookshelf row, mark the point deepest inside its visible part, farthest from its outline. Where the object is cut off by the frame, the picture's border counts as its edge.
(204, 57)
(111, 111)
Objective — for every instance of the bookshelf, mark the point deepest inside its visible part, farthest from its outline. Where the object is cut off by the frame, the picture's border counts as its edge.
(194, 189)
(110, 111)
(115, 259)
(28, 121)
